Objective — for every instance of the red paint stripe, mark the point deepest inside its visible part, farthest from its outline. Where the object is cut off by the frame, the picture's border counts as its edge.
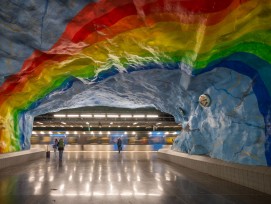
(105, 21)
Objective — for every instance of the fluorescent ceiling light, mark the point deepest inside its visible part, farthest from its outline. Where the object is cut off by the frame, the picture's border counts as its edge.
(75, 132)
(34, 132)
(67, 132)
(125, 133)
(50, 132)
(40, 123)
(111, 123)
(73, 116)
(112, 115)
(135, 123)
(59, 115)
(63, 123)
(86, 116)
(166, 133)
(133, 133)
(125, 116)
(100, 132)
(87, 123)
(108, 132)
(41, 132)
(152, 116)
(99, 116)
(139, 116)
(158, 123)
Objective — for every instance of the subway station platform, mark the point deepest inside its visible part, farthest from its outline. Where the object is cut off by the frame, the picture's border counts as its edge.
(110, 177)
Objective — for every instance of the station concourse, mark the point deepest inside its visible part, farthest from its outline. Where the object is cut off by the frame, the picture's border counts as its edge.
(148, 101)
(107, 177)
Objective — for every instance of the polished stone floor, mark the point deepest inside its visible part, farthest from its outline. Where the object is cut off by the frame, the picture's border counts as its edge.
(109, 177)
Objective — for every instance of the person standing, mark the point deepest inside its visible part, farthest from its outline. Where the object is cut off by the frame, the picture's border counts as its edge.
(55, 147)
(119, 143)
(60, 146)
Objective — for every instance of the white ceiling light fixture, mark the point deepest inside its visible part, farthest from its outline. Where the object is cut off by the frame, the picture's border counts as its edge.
(73, 116)
(112, 115)
(99, 116)
(125, 116)
(50, 132)
(59, 116)
(40, 123)
(152, 116)
(135, 123)
(139, 116)
(34, 132)
(67, 132)
(86, 115)
(87, 123)
(111, 123)
(63, 123)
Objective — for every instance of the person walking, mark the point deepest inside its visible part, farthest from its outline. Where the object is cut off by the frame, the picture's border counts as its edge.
(60, 146)
(119, 143)
(55, 147)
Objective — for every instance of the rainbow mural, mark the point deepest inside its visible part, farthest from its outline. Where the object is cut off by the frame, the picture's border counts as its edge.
(134, 35)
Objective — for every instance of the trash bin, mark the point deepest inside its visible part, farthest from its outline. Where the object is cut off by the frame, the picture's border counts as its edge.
(47, 153)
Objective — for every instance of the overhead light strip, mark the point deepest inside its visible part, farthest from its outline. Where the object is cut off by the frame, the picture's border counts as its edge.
(59, 115)
(125, 116)
(73, 116)
(99, 116)
(139, 116)
(152, 116)
(112, 115)
(86, 115)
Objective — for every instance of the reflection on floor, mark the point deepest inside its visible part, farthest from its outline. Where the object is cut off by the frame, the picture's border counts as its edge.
(109, 177)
